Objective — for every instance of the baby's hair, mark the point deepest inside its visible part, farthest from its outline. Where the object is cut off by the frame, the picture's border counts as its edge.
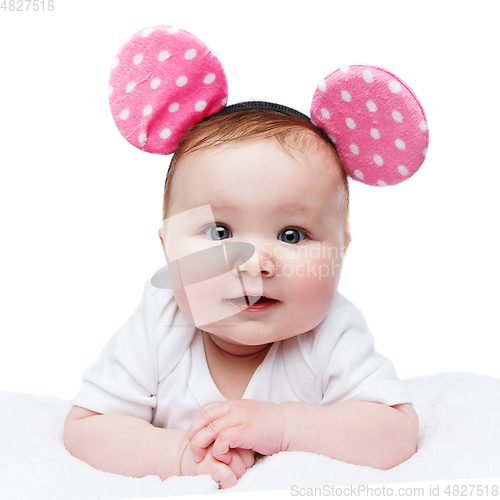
(293, 132)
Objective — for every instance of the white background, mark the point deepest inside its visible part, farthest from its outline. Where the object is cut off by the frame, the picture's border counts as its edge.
(80, 207)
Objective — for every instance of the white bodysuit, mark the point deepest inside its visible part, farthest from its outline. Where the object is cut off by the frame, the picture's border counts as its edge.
(155, 368)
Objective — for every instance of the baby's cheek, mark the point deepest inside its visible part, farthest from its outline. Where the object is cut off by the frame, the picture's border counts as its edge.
(311, 288)
(313, 274)
(318, 289)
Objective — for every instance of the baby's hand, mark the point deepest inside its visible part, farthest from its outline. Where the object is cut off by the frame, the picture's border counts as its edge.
(238, 423)
(225, 475)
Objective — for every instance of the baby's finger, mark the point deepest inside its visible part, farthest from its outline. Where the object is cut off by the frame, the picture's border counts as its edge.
(232, 437)
(248, 456)
(225, 457)
(206, 414)
(206, 436)
(203, 439)
(237, 465)
(198, 453)
(223, 475)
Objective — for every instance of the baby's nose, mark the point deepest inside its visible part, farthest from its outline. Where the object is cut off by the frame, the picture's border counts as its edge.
(259, 264)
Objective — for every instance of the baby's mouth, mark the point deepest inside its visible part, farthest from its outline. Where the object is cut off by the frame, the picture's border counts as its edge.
(252, 299)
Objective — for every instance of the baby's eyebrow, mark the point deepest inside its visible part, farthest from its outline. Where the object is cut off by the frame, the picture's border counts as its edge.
(302, 211)
(224, 207)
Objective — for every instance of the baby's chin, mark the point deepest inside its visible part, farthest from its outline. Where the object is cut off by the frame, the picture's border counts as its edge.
(254, 333)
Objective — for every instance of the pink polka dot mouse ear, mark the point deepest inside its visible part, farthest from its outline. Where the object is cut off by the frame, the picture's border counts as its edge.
(163, 81)
(376, 122)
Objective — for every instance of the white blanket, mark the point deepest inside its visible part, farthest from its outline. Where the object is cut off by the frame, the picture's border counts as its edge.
(459, 438)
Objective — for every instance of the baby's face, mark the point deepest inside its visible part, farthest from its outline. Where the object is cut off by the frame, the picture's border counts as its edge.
(290, 209)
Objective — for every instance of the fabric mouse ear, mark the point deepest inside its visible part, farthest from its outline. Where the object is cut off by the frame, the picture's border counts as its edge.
(375, 121)
(163, 81)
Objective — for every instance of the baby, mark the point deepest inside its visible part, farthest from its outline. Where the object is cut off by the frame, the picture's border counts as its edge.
(295, 370)
(245, 347)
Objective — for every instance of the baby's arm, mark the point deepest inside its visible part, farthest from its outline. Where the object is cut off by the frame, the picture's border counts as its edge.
(131, 446)
(123, 444)
(356, 432)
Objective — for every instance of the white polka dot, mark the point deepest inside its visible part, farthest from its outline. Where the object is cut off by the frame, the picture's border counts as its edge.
(115, 63)
(138, 58)
(423, 126)
(210, 78)
(381, 183)
(173, 107)
(322, 86)
(371, 106)
(346, 96)
(394, 86)
(325, 113)
(147, 32)
(224, 101)
(172, 29)
(344, 68)
(181, 81)
(350, 123)
(190, 54)
(375, 133)
(200, 105)
(124, 113)
(400, 144)
(378, 160)
(155, 83)
(165, 133)
(110, 90)
(143, 137)
(424, 151)
(359, 174)
(332, 139)
(403, 170)
(147, 110)
(367, 76)
(397, 116)
(354, 149)
(130, 87)
(164, 55)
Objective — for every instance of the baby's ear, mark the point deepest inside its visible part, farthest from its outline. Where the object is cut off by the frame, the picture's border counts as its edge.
(376, 122)
(164, 81)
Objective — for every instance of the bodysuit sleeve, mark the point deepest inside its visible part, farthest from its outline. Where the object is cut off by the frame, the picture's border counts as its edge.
(124, 379)
(349, 367)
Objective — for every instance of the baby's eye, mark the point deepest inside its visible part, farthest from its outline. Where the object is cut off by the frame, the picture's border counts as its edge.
(218, 232)
(292, 236)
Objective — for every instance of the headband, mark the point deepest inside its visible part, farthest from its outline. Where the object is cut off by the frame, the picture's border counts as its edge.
(164, 81)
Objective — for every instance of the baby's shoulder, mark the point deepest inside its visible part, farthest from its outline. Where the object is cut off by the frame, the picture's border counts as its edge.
(343, 314)
(160, 296)
(171, 330)
(161, 304)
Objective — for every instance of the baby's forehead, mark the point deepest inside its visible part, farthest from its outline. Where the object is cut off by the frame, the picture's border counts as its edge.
(304, 146)
(297, 169)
